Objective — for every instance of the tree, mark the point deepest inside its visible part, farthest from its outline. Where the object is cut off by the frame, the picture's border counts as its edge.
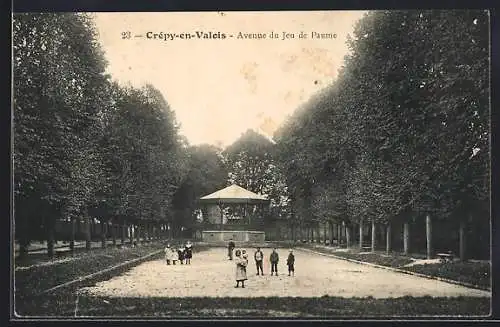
(206, 173)
(401, 127)
(58, 75)
(250, 161)
(144, 153)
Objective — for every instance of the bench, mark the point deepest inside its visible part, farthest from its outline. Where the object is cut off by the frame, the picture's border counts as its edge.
(445, 257)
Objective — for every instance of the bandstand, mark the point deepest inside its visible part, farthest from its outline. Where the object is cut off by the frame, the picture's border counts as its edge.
(234, 213)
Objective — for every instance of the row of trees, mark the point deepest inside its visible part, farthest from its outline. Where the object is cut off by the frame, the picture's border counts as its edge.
(86, 147)
(403, 133)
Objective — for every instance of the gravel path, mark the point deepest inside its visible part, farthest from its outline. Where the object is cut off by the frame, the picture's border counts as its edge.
(211, 274)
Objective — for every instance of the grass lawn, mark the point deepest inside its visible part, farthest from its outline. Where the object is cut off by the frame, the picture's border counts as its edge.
(395, 260)
(38, 278)
(64, 304)
(476, 273)
(376, 258)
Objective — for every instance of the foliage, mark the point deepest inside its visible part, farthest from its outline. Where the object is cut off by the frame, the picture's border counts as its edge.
(83, 144)
(206, 173)
(251, 164)
(403, 128)
(58, 82)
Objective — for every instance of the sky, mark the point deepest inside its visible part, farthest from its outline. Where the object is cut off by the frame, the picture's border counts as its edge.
(219, 88)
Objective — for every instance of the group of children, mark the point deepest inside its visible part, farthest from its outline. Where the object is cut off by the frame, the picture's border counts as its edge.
(242, 263)
(182, 254)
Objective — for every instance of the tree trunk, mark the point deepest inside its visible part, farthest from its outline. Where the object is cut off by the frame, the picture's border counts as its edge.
(324, 233)
(143, 232)
(406, 238)
(139, 233)
(388, 238)
(50, 237)
(88, 233)
(73, 231)
(22, 234)
(332, 228)
(348, 236)
(374, 234)
(113, 232)
(23, 247)
(124, 231)
(103, 233)
(361, 234)
(463, 256)
(339, 233)
(428, 225)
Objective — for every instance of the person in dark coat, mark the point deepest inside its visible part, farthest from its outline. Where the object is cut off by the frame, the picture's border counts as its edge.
(230, 249)
(290, 261)
(259, 258)
(188, 253)
(180, 253)
(274, 259)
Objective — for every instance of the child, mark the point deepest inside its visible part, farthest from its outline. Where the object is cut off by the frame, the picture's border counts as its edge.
(259, 257)
(230, 248)
(188, 253)
(168, 254)
(173, 255)
(290, 262)
(274, 259)
(244, 255)
(241, 273)
(180, 253)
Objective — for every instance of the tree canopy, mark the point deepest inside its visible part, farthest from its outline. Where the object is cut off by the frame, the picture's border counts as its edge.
(403, 127)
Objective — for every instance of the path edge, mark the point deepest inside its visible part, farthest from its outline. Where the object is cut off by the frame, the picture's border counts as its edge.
(441, 279)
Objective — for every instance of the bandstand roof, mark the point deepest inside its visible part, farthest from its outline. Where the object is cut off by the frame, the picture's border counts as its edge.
(234, 194)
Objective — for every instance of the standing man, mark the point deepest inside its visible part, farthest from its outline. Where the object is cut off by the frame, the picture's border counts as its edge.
(290, 263)
(259, 258)
(230, 249)
(274, 258)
